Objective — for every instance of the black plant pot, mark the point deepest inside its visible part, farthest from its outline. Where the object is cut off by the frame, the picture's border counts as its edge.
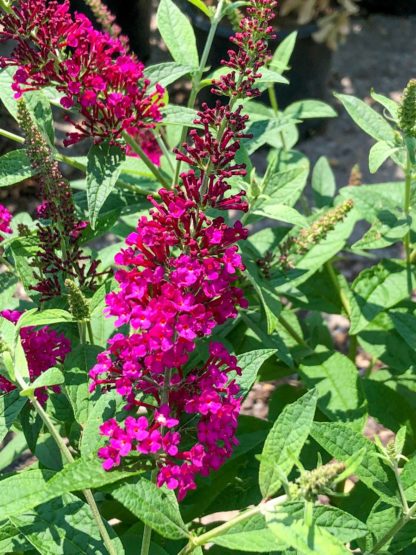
(310, 63)
(395, 7)
(133, 16)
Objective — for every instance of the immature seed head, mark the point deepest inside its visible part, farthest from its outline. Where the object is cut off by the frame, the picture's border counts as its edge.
(407, 110)
(78, 304)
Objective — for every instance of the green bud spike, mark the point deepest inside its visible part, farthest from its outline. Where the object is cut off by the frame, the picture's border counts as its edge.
(78, 304)
(407, 110)
(315, 482)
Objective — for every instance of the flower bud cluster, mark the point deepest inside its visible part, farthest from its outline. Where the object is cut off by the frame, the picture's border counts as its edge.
(312, 483)
(59, 229)
(44, 348)
(92, 69)
(252, 52)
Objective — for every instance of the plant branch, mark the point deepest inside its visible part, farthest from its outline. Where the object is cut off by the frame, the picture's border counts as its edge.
(134, 145)
(203, 539)
(406, 241)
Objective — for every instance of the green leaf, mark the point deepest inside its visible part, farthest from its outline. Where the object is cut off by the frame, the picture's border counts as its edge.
(15, 166)
(156, 507)
(22, 492)
(166, 73)
(306, 540)
(387, 230)
(342, 443)
(390, 105)
(374, 290)
(179, 115)
(250, 363)
(304, 109)
(34, 317)
(340, 391)
(201, 6)
(379, 154)
(11, 541)
(12, 450)
(63, 526)
(285, 441)
(102, 410)
(10, 406)
(283, 53)
(103, 171)
(177, 33)
(281, 213)
(251, 535)
(408, 479)
(323, 183)
(405, 325)
(8, 282)
(254, 535)
(368, 119)
(39, 106)
(76, 367)
(380, 522)
(370, 200)
(51, 377)
(285, 179)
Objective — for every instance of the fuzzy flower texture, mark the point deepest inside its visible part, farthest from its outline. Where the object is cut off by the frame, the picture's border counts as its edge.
(92, 69)
(176, 280)
(44, 348)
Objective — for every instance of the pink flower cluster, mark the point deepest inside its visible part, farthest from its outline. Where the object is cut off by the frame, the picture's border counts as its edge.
(44, 348)
(176, 284)
(5, 219)
(92, 69)
(170, 299)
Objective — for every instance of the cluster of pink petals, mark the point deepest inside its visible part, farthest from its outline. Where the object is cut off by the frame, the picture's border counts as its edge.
(5, 219)
(207, 393)
(44, 348)
(176, 285)
(92, 69)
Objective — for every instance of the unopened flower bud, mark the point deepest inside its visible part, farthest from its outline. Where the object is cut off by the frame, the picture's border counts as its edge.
(78, 304)
(315, 482)
(407, 110)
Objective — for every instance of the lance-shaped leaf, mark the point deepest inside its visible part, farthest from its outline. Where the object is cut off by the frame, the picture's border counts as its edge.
(156, 507)
(285, 441)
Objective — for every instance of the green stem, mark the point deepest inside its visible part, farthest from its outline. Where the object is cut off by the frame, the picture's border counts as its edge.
(401, 490)
(70, 459)
(406, 241)
(138, 150)
(90, 332)
(11, 136)
(219, 530)
(275, 107)
(401, 522)
(196, 81)
(334, 279)
(291, 331)
(147, 532)
(165, 151)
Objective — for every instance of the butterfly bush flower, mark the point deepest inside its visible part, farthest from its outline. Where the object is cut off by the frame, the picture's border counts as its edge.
(92, 69)
(177, 281)
(5, 219)
(44, 348)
